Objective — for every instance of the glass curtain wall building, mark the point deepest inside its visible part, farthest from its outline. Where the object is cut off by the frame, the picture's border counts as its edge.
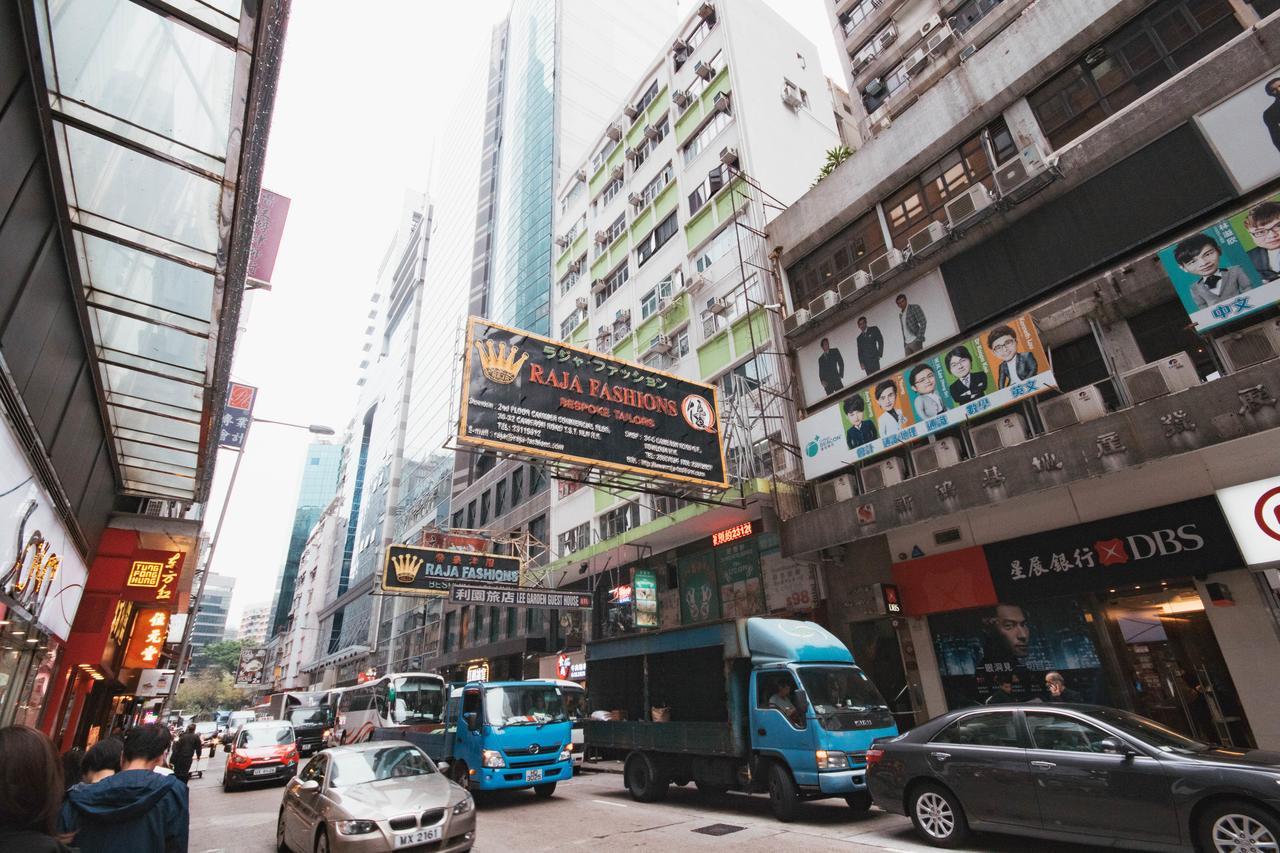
(319, 482)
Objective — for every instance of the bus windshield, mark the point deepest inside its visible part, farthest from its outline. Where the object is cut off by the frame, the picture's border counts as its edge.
(417, 700)
(524, 705)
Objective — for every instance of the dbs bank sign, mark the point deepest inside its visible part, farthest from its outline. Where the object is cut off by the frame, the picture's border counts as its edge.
(1180, 540)
(1253, 510)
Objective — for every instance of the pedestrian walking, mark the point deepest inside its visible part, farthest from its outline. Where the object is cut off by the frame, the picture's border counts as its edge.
(102, 760)
(187, 748)
(137, 809)
(31, 790)
(71, 761)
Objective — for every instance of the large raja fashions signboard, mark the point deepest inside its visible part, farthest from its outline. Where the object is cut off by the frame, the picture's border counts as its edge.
(882, 335)
(408, 570)
(531, 395)
(1004, 364)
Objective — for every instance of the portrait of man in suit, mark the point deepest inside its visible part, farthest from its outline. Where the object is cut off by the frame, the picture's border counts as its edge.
(861, 431)
(1200, 255)
(830, 368)
(913, 324)
(891, 418)
(1271, 115)
(969, 386)
(1263, 225)
(1014, 366)
(870, 346)
(924, 382)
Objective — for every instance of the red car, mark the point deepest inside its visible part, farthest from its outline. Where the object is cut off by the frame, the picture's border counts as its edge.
(262, 751)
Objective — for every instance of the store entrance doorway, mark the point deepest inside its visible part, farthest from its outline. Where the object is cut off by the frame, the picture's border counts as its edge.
(1171, 665)
(876, 650)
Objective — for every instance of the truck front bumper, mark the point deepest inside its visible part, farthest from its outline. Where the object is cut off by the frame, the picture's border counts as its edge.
(487, 779)
(840, 782)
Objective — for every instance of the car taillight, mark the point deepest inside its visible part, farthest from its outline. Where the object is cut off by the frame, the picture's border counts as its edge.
(874, 754)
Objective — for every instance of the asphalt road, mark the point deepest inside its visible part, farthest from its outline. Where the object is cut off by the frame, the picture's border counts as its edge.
(594, 812)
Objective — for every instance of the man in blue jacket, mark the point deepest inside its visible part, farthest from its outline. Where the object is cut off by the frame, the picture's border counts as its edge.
(136, 809)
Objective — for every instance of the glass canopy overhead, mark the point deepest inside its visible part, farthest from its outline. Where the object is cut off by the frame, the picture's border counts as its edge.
(147, 107)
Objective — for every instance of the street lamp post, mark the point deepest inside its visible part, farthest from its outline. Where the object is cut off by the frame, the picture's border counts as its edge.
(184, 649)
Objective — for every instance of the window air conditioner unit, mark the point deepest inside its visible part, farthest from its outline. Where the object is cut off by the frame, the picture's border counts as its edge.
(706, 11)
(623, 315)
(855, 282)
(882, 474)
(581, 303)
(717, 305)
(1166, 376)
(1073, 407)
(791, 96)
(882, 265)
(679, 46)
(581, 175)
(651, 132)
(917, 60)
(874, 89)
(729, 156)
(631, 153)
(835, 490)
(562, 241)
(575, 266)
(1023, 175)
(681, 97)
(967, 205)
(942, 453)
(861, 64)
(795, 320)
(927, 239)
(721, 102)
(939, 38)
(967, 52)
(703, 70)
(630, 111)
(825, 301)
(659, 343)
(598, 286)
(930, 25)
(698, 280)
(618, 171)
(1002, 432)
(601, 237)
(1252, 345)
(636, 199)
(663, 304)
(614, 132)
(887, 37)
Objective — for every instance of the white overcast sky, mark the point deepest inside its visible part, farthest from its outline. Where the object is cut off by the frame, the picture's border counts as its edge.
(361, 98)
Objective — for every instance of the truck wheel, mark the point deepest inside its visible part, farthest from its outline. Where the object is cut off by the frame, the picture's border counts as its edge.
(783, 796)
(544, 792)
(642, 778)
(860, 802)
(461, 775)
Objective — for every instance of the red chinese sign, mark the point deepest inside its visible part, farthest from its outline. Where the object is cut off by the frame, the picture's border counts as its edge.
(153, 577)
(146, 641)
(731, 534)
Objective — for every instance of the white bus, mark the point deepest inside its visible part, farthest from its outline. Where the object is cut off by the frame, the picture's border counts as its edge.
(411, 701)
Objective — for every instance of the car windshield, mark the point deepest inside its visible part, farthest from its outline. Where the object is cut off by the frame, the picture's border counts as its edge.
(844, 698)
(417, 700)
(532, 704)
(1149, 731)
(260, 736)
(307, 716)
(374, 765)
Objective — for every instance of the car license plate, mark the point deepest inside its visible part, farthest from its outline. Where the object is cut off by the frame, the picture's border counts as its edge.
(533, 775)
(306, 747)
(422, 836)
(263, 771)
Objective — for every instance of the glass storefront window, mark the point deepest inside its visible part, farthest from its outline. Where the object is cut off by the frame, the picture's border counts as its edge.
(26, 665)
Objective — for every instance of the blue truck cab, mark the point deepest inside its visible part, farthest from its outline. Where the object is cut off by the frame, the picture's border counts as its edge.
(504, 734)
(764, 705)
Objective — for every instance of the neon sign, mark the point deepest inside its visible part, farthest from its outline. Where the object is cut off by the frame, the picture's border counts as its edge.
(731, 534)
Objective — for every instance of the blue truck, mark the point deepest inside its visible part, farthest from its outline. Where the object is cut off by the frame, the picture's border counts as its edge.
(759, 705)
(501, 735)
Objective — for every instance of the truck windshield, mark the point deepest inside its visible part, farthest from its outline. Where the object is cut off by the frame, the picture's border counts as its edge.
(844, 698)
(524, 705)
(308, 716)
(575, 702)
(417, 700)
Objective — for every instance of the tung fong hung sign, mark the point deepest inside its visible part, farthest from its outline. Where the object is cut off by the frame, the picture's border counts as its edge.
(534, 396)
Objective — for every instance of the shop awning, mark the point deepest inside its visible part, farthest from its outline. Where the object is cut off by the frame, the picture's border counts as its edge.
(155, 117)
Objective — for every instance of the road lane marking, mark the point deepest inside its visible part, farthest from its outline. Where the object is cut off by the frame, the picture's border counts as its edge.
(608, 803)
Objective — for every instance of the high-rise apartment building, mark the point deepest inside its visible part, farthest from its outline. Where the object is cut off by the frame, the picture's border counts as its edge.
(1034, 325)
(301, 643)
(318, 486)
(255, 624)
(210, 624)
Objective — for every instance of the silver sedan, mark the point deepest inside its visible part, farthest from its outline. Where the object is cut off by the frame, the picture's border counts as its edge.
(384, 795)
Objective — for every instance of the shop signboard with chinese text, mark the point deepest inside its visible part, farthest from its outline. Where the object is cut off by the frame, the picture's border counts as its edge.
(410, 570)
(153, 578)
(508, 597)
(237, 412)
(535, 396)
(268, 231)
(146, 640)
(738, 575)
(252, 669)
(1003, 365)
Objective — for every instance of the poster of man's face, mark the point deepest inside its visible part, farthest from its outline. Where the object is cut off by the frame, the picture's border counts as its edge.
(1244, 131)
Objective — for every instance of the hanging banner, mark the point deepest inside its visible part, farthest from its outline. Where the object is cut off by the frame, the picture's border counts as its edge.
(268, 231)
(146, 640)
(1005, 364)
(408, 570)
(645, 585)
(1230, 269)
(699, 591)
(738, 573)
(534, 396)
(237, 412)
(252, 669)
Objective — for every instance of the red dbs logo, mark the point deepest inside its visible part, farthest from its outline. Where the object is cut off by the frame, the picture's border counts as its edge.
(1111, 551)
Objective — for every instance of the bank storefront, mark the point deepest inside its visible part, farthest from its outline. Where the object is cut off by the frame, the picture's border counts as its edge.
(1150, 611)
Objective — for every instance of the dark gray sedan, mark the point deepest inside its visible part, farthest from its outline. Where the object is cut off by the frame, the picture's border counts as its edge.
(1078, 773)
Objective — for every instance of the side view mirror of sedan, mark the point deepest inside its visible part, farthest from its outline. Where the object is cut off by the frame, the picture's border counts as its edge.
(309, 786)
(1114, 746)
(226, 747)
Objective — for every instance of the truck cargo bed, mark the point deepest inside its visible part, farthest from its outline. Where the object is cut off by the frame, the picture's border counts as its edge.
(692, 738)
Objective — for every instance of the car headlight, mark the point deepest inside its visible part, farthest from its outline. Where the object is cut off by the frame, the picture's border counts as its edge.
(567, 753)
(355, 827)
(492, 758)
(832, 760)
(465, 805)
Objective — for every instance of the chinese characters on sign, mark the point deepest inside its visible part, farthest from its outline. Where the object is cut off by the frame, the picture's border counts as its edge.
(146, 642)
(153, 577)
(236, 415)
(432, 571)
(520, 597)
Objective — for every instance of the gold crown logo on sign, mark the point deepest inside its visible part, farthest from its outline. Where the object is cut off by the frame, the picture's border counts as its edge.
(499, 362)
(406, 567)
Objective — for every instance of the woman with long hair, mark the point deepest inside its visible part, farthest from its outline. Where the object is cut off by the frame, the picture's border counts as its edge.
(31, 790)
